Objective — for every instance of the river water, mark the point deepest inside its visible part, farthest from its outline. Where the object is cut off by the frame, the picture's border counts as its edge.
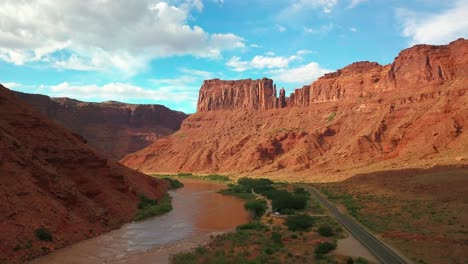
(199, 211)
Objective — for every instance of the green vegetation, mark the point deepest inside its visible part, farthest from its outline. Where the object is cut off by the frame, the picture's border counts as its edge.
(173, 183)
(43, 234)
(212, 177)
(324, 248)
(150, 208)
(326, 231)
(258, 207)
(331, 117)
(301, 222)
(263, 240)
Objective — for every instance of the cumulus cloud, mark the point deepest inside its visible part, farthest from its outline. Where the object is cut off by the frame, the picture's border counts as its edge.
(104, 35)
(355, 3)
(435, 28)
(260, 62)
(302, 74)
(323, 29)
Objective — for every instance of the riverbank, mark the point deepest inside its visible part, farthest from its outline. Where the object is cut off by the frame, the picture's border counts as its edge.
(199, 211)
(299, 234)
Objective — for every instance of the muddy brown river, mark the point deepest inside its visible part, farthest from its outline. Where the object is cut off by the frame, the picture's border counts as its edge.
(199, 212)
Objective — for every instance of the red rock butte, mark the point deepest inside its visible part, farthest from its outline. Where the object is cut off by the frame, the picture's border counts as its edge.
(363, 117)
(419, 66)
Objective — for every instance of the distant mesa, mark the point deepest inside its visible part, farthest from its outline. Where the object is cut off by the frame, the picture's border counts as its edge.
(113, 128)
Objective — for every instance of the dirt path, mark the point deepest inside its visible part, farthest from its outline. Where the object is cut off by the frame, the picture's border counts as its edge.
(269, 206)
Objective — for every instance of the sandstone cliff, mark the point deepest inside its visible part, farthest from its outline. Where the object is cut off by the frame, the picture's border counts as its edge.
(49, 178)
(414, 68)
(113, 128)
(365, 116)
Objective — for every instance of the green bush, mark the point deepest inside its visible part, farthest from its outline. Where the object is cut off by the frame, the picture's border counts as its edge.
(362, 260)
(43, 234)
(299, 222)
(276, 237)
(284, 201)
(332, 116)
(324, 248)
(173, 183)
(216, 177)
(184, 174)
(258, 185)
(258, 207)
(150, 208)
(326, 231)
(252, 226)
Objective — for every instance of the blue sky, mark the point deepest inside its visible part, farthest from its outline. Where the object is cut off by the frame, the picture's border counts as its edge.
(159, 52)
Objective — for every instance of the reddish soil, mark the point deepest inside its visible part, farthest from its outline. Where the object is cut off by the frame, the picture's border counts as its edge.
(364, 117)
(113, 128)
(50, 178)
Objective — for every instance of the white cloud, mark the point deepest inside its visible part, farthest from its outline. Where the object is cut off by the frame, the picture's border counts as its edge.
(435, 28)
(355, 3)
(12, 85)
(323, 29)
(302, 74)
(304, 5)
(353, 29)
(281, 28)
(261, 62)
(104, 35)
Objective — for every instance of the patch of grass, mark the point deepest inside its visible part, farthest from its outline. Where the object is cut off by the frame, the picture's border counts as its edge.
(43, 234)
(299, 222)
(150, 208)
(253, 226)
(331, 117)
(218, 178)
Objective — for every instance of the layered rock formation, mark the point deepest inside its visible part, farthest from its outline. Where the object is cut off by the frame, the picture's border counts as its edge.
(113, 128)
(49, 178)
(363, 117)
(419, 66)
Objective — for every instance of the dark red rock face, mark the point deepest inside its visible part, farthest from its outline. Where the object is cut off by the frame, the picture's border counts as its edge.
(113, 128)
(50, 178)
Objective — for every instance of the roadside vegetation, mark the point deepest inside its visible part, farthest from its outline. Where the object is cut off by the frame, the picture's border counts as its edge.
(295, 232)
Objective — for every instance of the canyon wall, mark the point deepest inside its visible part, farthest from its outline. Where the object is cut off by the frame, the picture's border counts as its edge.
(364, 117)
(49, 178)
(413, 68)
(113, 128)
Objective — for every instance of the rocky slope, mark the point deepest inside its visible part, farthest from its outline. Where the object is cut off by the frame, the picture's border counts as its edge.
(49, 178)
(411, 113)
(113, 128)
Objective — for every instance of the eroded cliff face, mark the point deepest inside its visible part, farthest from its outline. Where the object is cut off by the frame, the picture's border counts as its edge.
(49, 178)
(414, 68)
(412, 113)
(113, 128)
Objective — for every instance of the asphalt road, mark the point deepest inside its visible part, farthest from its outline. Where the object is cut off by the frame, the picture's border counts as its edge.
(383, 253)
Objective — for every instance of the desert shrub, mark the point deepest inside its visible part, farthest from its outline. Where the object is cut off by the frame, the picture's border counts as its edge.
(258, 207)
(145, 202)
(185, 174)
(216, 177)
(300, 190)
(276, 237)
(153, 208)
(326, 231)
(362, 260)
(350, 261)
(252, 226)
(332, 116)
(43, 234)
(173, 183)
(258, 185)
(324, 248)
(282, 200)
(300, 222)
